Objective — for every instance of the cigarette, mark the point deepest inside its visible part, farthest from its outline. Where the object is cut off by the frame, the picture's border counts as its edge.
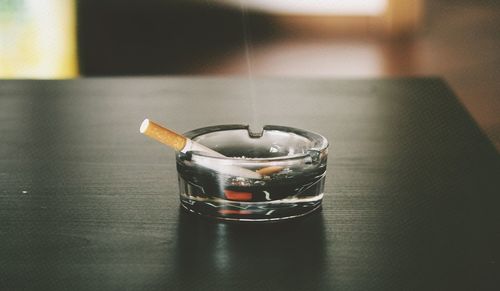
(183, 144)
(172, 139)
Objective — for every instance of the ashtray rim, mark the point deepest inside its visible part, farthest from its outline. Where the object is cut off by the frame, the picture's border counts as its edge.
(320, 149)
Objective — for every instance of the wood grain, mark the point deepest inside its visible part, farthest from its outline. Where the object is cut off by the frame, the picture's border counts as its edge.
(87, 203)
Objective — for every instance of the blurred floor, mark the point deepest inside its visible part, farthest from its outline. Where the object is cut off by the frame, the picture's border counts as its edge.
(459, 41)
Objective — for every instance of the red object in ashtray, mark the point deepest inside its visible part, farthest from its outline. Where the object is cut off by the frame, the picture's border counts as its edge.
(238, 196)
(233, 211)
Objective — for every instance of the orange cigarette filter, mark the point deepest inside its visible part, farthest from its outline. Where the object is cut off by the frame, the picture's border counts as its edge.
(163, 135)
(269, 170)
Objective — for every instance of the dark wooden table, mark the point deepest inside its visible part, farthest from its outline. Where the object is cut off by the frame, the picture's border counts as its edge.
(87, 203)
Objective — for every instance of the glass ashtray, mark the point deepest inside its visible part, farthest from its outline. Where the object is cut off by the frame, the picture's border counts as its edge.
(276, 174)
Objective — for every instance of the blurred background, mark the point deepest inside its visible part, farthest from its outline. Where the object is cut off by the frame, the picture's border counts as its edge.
(457, 40)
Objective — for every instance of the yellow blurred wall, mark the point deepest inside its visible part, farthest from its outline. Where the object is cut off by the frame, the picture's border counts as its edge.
(38, 39)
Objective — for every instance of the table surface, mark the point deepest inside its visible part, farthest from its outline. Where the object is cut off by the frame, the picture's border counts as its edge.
(87, 203)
